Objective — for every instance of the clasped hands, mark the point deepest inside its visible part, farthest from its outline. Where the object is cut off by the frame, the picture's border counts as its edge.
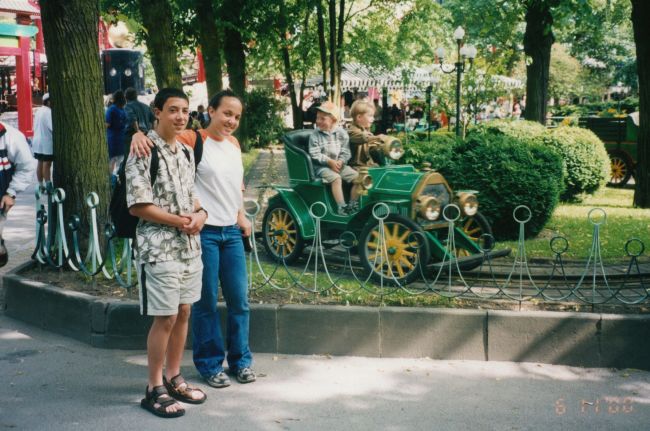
(193, 222)
(335, 165)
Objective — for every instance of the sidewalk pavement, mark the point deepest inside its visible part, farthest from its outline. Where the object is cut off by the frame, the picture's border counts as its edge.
(19, 233)
(55, 383)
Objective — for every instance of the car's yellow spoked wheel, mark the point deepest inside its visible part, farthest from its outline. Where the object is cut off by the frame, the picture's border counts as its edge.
(281, 233)
(621, 167)
(619, 170)
(392, 252)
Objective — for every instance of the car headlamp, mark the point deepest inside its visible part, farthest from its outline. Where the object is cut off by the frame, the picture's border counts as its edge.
(366, 182)
(392, 147)
(429, 208)
(468, 203)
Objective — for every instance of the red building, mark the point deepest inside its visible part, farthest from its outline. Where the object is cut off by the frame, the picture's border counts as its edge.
(21, 40)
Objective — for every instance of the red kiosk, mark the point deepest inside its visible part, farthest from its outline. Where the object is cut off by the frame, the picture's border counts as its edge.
(16, 41)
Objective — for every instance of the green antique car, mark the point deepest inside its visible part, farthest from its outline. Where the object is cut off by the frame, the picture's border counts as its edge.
(415, 231)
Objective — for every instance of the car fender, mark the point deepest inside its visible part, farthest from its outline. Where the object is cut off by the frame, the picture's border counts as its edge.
(299, 210)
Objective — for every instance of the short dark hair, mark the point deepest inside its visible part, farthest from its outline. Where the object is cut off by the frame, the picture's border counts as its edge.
(118, 98)
(167, 93)
(215, 101)
(131, 94)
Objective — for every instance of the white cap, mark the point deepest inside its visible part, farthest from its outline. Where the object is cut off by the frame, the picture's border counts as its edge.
(46, 96)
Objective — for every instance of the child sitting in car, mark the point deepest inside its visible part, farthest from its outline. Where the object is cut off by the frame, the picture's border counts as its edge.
(329, 148)
(361, 138)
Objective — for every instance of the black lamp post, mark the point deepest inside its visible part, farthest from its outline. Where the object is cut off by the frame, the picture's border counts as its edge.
(462, 52)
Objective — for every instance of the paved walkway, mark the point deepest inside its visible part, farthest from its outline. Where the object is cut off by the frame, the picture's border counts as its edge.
(19, 234)
(55, 383)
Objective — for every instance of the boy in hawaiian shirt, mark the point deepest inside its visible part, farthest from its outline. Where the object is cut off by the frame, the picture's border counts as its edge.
(168, 252)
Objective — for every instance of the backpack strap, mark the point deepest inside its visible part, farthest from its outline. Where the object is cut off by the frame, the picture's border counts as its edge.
(186, 152)
(153, 168)
(198, 148)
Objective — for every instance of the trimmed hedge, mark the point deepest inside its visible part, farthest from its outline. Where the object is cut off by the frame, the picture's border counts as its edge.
(506, 174)
(529, 132)
(506, 171)
(437, 150)
(515, 163)
(585, 160)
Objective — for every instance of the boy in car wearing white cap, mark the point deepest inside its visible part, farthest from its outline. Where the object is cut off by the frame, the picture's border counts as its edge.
(329, 148)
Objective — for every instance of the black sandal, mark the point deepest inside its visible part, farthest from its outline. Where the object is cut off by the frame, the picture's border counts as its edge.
(160, 396)
(185, 395)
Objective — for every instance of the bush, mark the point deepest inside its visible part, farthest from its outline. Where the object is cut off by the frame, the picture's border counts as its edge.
(525, 131)
(584, 158)
(436, 150)
(264, 117)
(506, 174)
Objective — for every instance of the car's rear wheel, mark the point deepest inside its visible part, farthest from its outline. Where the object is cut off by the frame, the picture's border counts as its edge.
(397, 257)
(621, 168)
(281, 233)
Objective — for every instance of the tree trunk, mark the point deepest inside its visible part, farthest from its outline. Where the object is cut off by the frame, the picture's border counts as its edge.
(210, 40)
(538, 40)
(236, 58)
(157, 19)
(640, 19)
(332, 37)
(75, 79)
(339, 53)
(288, 72)
(322, 45)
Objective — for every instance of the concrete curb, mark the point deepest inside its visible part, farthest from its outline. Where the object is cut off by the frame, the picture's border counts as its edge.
(578, 339)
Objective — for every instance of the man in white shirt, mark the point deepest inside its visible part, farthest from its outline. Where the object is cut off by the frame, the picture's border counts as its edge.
(16, 166)
(42, 142)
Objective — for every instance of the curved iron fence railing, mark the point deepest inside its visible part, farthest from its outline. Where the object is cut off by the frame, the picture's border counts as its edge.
(58, 246)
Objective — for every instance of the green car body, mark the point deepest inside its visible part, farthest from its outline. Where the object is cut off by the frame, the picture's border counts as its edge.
(400, 187)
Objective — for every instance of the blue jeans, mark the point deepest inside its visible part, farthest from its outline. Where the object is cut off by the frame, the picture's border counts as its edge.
(224, 262)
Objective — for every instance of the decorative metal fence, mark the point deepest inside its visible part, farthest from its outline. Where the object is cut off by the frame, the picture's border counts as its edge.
(593, 283)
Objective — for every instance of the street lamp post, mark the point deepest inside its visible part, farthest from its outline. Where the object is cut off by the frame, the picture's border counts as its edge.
(462, 52)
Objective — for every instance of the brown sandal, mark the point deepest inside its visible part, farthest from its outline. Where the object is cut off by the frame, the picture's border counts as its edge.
(159, 395)
(185, 394)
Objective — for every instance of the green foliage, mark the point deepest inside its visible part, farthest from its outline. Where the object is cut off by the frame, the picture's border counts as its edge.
(525, 131)
(385, 40)
(628, 105)
(584, 158)
(435, 150)
(507, 174)
(264, 116)
(506, 170)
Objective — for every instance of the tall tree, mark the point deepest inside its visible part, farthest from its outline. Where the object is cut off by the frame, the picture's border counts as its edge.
(538, 40)
(157, 20)
(285, 46)
(210, 42)
(231, 12)
(640, 20)
(70, 30)
(322, 45)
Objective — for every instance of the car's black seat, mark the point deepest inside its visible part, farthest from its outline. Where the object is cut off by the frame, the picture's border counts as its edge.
(299, 164)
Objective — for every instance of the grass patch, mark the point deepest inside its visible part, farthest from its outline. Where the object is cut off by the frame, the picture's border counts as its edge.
(347, 292)
(570, 221)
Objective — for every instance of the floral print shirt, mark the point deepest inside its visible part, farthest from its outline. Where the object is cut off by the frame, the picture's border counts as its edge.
(173, 191)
